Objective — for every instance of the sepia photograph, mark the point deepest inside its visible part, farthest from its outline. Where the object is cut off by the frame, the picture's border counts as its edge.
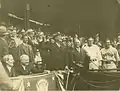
(59, 45)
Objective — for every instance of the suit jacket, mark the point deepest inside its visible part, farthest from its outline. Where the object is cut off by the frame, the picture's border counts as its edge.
(68, 58)
(30, 41)
(31, 68)
(57, 57)
(5, 82)
(80, 57)
(10, 73)
(25, 49)
(19, 70)
(3, 48)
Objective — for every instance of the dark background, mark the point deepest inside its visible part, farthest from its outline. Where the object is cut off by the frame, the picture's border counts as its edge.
(94, 16)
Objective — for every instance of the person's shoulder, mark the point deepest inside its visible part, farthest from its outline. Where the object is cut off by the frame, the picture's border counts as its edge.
(20, 45)
(114, 49)
(96, 46)
(2, 40)
(85, 47)
(102, 49)
(73, 50)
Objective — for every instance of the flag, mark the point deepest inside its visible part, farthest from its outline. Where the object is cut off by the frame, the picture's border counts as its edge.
(18, 84)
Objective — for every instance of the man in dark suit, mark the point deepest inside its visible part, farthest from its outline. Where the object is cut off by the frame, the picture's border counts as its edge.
(80, 64)
(30, 34)
(24, 48)
(80, 59)
(31, 39)
(57, 54)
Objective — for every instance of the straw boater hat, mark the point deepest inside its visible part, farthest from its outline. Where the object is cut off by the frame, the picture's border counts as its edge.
(3, 30)
(10, 28)
(22, 31)
(30, 30)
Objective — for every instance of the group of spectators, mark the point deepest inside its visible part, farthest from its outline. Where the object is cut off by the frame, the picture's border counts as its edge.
(30, 51)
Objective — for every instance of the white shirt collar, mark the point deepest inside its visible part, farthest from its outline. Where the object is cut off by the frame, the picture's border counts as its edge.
(9, 68)
(23, 67)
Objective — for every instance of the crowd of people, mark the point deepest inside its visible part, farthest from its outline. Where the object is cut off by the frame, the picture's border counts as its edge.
(25, 52)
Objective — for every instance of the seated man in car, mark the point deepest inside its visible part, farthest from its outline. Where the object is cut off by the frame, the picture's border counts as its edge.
(24, 67)
(8, 63)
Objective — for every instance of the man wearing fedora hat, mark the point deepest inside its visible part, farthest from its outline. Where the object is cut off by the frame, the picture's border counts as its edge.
(57, 54)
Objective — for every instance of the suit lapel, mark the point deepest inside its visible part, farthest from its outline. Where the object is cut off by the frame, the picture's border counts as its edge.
(80, 53)
(8, 72)
(25, 48)
(24, 71)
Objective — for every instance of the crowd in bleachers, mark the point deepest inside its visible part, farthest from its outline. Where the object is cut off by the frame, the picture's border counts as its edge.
(30, 51)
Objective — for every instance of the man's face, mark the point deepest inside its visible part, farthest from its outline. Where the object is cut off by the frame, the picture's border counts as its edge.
(90, 41)
(25, 61)
(107, 44)
(10, 62)
(31, 34)
(58, 38)
(77, 43)
(23, 33)
(25, 39)
(13, 33)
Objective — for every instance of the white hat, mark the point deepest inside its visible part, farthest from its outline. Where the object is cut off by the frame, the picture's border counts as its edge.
(30, 30)
(22, 30)
(3, 29)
